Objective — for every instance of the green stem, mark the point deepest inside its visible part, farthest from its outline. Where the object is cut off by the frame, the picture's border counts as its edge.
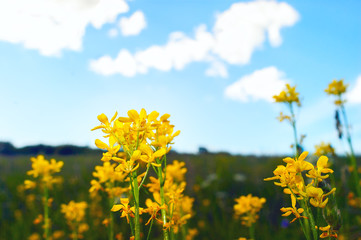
(46, 213)
(312, 221)
(252, 232)
(352, 156)
(150, 229)
(306, 229)
(164, 213)
(135, 190)
(293, 121)
(111, 219)
(146, 173)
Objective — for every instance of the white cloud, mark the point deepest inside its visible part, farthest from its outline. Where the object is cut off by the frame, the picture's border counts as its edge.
(113, 32)
(133, 25)
(217, 69)
(242, 28)
(354, 96)
(177, 53)
(259, 85)
(124, 64)
(51, 26)
(237, 33)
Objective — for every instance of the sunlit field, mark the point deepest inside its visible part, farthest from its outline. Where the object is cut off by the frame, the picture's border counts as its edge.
(180, 120)
(136, 187)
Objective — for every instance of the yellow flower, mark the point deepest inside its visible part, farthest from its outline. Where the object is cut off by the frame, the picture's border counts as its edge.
(298, 165)
(43, 167)
(191, 233)
(74, 211)
(282, 117)
(58, 234)
(327, 232)
(247, 208)
(324, 149)
(322, 164)
(317, 197)
(289, 95)
(106, 126)
(284, 176)
(127, 167)
(336, 87)
(29, 184)
(125, 209)
(176, 170)
(111, 149)
(293, 210)
(149, 156)
(34, 236)
(153, 208)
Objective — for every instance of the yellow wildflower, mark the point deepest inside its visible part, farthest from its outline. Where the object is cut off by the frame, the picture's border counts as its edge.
(74, 211)
(153, 208)
(324, 149)
(327, 232)
(317, 197)
(29, 184)
(298, 165)
(125, 209)
(192, 232)
(283, 117)
(284, 176)
(289, 95)
(336, 87)
(293, 210)
(247, 208)
(322, 164)
(44, 168)
(176, 170)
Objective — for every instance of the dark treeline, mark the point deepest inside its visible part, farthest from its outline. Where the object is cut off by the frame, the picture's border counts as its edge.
(6, 148)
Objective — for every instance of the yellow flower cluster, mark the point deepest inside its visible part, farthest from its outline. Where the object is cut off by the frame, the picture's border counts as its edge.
(336, 87)
(74, 213)
(289, 95)
(324, 149)
(137, 143)
(247, 208)
(106, 181)
(327, 232)
(291, 178)
(44, 169)
(143, 138)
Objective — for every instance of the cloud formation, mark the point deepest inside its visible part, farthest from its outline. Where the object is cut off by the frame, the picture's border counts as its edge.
(354, 95)
(236, 34)
(176, 54)
(260, 85)
(133, 25)
(51, 26)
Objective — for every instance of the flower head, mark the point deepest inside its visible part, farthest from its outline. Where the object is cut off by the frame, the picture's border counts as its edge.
(336, 87)
(289, 95)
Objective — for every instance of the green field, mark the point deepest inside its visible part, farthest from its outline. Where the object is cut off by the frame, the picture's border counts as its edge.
(213, 180)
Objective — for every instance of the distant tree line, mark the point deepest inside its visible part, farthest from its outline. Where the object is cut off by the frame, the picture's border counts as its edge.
(6, 148)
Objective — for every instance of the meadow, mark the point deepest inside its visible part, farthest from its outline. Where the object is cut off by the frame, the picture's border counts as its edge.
(136, 187)
(218, 178)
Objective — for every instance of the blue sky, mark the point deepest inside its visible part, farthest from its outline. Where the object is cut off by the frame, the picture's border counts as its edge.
(212, 65)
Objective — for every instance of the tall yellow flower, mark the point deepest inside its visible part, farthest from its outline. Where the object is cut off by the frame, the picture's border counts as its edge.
(336, 87)
(289, 95)
(74, 213)
(247, 208)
